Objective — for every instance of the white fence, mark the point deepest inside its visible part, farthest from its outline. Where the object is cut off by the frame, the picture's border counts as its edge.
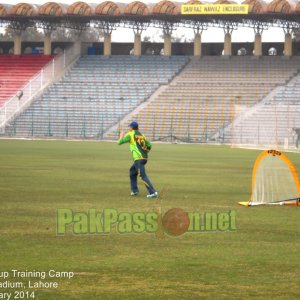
(51, 72)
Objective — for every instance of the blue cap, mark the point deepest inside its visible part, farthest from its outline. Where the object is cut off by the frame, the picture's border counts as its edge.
(134, 124)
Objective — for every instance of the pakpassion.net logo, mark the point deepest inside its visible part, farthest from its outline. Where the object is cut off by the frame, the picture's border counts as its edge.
(174, 222)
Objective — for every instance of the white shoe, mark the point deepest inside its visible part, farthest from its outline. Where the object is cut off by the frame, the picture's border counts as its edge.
(134, 193)
(154, 195)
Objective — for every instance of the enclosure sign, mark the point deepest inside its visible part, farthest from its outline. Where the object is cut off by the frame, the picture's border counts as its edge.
(214, 9)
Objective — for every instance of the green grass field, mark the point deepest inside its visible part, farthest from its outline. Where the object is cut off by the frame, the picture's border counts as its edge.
(260, 260)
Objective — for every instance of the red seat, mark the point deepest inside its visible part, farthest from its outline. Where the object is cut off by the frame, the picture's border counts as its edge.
(16, 71)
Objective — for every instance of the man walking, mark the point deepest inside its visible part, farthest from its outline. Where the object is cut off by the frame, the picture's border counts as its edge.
(297, 136)
(139, 147)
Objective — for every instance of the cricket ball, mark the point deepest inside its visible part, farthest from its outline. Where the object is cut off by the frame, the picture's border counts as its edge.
(176, 221)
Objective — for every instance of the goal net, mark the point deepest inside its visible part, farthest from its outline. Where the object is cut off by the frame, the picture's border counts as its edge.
(274, 180)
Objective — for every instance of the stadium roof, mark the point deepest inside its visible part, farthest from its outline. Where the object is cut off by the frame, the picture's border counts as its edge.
(136, 10)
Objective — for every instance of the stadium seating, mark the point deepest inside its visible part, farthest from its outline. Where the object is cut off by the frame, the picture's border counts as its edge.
(16, 71)
(95, 95)
(205, 97)
(271, 123)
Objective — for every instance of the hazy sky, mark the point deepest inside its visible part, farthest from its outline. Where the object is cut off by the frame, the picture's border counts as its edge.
(211, 35)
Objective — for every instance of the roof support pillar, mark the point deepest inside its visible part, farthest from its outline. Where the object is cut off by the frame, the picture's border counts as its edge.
(78, 43)
(228, 29)
(47, 42)
(227, 43)
(257, 45)
(198, 29)
(197, 45)
(107, 44)
(137, 49)
(258, 30)
(167, 30)
(107, 29)
(167, 44)
(138, 29)
(17, 34)
(288, 42)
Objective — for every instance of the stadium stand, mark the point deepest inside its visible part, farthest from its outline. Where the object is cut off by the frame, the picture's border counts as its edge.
(16, 71)
(94, 95)
(273, 122)
(205, 97)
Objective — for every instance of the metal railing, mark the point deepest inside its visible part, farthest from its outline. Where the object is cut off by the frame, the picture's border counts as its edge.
(23, 98)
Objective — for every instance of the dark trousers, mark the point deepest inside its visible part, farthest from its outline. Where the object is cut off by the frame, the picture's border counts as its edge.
(138, 168)
(297, 140)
